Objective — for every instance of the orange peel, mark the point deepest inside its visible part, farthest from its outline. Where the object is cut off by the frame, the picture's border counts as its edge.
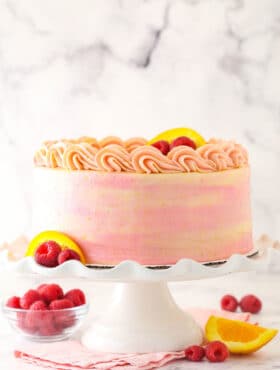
(240, 337)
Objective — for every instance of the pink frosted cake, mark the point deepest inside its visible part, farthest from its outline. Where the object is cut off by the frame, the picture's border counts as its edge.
(124, 200)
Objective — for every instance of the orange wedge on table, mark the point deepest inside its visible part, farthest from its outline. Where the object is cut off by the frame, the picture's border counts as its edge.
(174, 133)
(62, 239)
(240, 337)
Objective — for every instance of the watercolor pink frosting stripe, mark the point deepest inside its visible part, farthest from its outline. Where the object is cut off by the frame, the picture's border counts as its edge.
(155, 219)
(112, 154)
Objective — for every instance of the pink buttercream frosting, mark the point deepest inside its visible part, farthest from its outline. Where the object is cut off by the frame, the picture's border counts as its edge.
(113, 158)
(155, 219)
(147, 159)
(80, 157)
(112, 154)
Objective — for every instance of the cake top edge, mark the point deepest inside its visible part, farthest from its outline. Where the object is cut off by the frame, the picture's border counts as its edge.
(138, 155)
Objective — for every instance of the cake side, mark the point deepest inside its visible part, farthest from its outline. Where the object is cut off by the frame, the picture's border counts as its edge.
(153, 219)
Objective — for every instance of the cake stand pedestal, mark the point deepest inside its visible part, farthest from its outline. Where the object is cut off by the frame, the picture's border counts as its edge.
(143, 316)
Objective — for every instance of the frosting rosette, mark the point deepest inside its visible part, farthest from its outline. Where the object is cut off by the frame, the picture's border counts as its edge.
(189, 160)
(89, 140)
(51, 154)
(134, 143)
(224, 154)
(147, 159)
(113, 158)
(55, 154)
(79, 157)
(112, 154)
(109, 140)
(236, 153)
(40, 157)
(215, 155)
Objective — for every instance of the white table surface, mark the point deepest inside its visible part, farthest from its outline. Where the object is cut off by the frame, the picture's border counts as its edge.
(204, 293)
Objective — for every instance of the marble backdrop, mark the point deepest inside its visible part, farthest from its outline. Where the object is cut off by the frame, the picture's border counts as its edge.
(136, 67)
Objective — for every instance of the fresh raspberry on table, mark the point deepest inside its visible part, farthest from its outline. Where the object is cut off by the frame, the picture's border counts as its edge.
(216, 351)
(47, 254)
(76, 296)
(194, 353)
(229, 303)
(28, 298)
(13, 302)
(51, 292)
(162, 145)
(66, 255)
(250, 303)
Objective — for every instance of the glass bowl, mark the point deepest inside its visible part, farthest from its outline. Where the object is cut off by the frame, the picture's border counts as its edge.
(46, 326)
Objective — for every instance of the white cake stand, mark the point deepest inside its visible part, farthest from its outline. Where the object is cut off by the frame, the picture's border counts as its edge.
(143, 316)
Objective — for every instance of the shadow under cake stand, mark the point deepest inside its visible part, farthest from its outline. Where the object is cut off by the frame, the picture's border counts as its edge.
(143, 317)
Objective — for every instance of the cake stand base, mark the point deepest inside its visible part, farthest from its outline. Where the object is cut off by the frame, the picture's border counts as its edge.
(143, 317)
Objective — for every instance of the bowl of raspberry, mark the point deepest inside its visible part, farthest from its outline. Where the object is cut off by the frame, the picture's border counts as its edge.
(47, 313)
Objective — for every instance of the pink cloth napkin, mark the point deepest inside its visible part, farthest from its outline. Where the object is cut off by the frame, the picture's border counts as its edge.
(201, 315)
(71, 355)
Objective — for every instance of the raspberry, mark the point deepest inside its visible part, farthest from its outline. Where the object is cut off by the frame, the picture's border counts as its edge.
(183, 140)
(28, 298)
(229, 303)
(61, 304)
(216, 351)
(40, 287)
(49, 330)
(38, 318)
(13, 302)
(194, 353)
(163, 146)
(63, 319)
(68, 254)
(51, 292)
(76, 296)
(25, 324)
(38, 306)
(47, 254)
(250, 303)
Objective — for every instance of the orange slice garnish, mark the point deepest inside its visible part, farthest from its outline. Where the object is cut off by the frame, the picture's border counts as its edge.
(62, 239)
(239, 336)
(173, 133)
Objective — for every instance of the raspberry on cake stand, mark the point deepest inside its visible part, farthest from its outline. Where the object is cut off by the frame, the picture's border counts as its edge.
(143, 317)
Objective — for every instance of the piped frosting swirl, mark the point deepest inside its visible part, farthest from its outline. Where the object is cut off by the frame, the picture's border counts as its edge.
(112, 154)
(113, 158)
(147, 159)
